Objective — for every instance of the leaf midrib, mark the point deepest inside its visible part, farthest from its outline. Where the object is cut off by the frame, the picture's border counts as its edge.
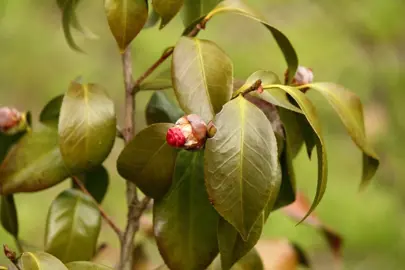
(204, 76)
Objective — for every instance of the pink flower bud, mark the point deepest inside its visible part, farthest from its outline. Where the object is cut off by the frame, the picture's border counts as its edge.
(175, 137)
(303, 76)
(189, 132)
(9, 118)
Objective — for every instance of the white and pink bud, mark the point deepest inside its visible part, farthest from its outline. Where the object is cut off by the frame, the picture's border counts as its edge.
(302, 76)
(9, 118)
(189, 132)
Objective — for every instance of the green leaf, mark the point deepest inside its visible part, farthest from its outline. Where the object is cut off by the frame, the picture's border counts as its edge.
(158, 84)
(251, 261)
(69, 19)
(153, 19)
(238, 7)
(34, 163)
(149, 161)
(350, 110)
(242, 170)
(8, 214)
(50, 113)
(185, 223)
(202, 77)
(287, 192)
(194, 9)
(72, 227)
(167, 9)
(7, 141)
(274, 96)
(96, 182)
(311, 115)
(87, 127)
(39, 261)
(161, 109)
(232, 246)
(126, 19)
(292, 129)
(86, 266)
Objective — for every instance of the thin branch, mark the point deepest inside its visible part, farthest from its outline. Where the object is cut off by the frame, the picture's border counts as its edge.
(18, 245)
(166, 54)
(256, 86)
(102, 211)
(11, 255)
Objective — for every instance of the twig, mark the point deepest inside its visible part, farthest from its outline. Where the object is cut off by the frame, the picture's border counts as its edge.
(102, 212)
(136, 207)
(11, 255)
(18, 245)
(256, 86)
(166, 54)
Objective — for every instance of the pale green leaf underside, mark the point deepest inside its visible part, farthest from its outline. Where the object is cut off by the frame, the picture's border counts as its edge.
(310, 113)
(39, 261)
(241, 160)
(350, 111)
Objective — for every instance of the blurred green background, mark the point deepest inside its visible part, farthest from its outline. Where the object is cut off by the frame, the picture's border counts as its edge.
(359, 44)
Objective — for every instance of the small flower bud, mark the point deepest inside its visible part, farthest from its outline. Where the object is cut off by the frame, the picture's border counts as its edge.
(211, 129)
(9, 118)
(189, 132)
(303, 76)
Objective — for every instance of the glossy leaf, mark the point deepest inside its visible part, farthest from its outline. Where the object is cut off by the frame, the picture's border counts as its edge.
(50, 113)
(86, 266)
(149, 161)
(232, 246)
(87, 127)
(194, 9)
(274, 96)
(72, 227)
(161, 109)
(297, 211)
(241, 164)
(8, 215)
(69, 20)
(34, 163)
(39, 261)
(185, 223)
(310, 113)
(167, 9)
(239, 7)
(96, 182)
(202, 77)
(350, 110)
(126, 19)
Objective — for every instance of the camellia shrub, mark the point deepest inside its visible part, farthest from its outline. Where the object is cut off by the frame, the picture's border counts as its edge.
(213, 163)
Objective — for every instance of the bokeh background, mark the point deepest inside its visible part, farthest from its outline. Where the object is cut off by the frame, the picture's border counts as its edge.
(359, 44)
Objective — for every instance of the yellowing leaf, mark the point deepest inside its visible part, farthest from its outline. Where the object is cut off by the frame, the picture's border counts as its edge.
(350, 111)
(202, 77)
(126, 19)
(241, 164)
